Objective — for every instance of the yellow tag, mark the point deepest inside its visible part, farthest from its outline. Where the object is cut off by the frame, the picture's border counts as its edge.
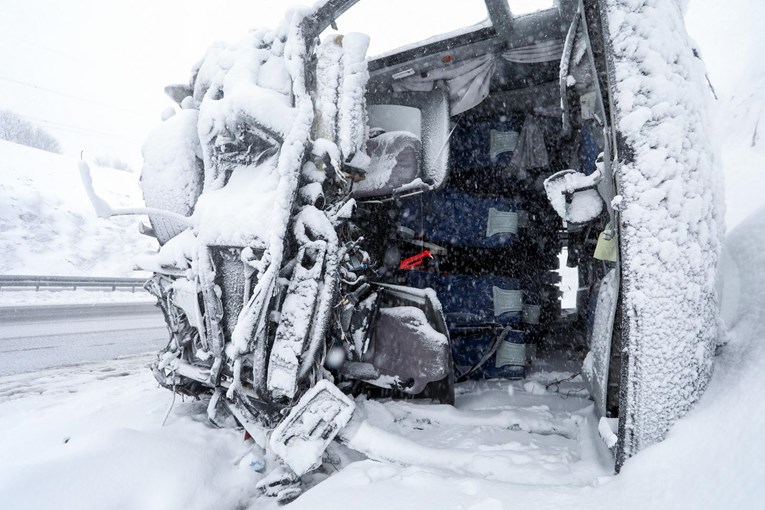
(606, 248)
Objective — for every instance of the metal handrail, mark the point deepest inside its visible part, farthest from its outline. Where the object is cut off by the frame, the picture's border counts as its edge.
(69, 281)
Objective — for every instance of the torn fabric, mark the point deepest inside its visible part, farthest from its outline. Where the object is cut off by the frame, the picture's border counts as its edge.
(468, 82)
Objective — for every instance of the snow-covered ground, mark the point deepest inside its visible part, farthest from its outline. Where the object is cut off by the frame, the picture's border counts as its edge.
(90, 437)
(47, 225)
(712, 459)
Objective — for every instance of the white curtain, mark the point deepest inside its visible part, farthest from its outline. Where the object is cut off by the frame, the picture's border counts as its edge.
(468, 82)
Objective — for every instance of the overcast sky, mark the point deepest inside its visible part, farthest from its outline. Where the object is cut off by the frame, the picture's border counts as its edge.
(92, 71)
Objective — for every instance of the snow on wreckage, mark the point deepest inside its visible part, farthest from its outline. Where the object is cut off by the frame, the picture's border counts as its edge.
(382, 227)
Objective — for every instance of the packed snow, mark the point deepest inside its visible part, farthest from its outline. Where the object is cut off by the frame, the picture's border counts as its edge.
(90, 437)
(225, 215)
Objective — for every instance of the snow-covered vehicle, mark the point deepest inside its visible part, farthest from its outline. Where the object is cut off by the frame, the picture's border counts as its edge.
(389, 226)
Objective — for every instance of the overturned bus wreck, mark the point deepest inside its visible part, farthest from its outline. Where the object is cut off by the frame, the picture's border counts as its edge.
(337, 226)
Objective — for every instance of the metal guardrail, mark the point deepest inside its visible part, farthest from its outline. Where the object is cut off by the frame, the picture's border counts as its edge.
(11, 281)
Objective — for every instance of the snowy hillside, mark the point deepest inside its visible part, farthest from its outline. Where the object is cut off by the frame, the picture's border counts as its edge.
(47, 225)
(741, 131)
(731, 44)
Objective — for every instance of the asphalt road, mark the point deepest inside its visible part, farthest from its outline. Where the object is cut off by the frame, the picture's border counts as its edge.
(35, 338)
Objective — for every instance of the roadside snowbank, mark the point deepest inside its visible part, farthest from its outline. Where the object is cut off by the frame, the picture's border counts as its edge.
(47, 225)
(714, 457)
(89, 437)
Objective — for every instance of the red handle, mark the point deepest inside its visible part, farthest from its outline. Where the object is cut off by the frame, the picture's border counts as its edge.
(415, 261)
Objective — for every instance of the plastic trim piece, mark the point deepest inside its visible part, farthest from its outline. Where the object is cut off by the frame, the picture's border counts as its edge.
(510, 353)
(507, 300)
(501, 222)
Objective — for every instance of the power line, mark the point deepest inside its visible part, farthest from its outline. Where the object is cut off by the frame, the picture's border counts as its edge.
(64, 94)
(67, 127)
(28, 42)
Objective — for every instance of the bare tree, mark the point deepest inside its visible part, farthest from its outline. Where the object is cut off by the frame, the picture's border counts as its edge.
(15, 128)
